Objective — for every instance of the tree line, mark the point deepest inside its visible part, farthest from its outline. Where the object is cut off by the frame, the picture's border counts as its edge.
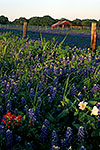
(47, 21)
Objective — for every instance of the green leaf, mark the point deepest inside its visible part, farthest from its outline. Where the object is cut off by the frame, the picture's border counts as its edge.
(75, 125)
(96, 133)
(92, 102)
(68, 101)
(50, 117)
(62, 114)
(66, 86)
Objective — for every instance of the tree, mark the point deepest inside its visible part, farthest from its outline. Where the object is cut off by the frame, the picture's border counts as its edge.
(77, 22)
(99, 23)
(20, 21)
(4, 20)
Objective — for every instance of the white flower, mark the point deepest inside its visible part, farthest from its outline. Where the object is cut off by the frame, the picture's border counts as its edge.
(95, 110)
(82, 105)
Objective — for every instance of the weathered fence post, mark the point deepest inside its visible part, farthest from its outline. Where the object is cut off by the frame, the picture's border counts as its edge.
(25, 30)
(93, 36)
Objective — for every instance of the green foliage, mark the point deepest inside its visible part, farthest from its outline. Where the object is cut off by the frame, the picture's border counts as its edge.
(62, 77)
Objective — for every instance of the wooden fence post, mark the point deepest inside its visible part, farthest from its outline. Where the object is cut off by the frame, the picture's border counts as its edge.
(93, 36)
(24, 29)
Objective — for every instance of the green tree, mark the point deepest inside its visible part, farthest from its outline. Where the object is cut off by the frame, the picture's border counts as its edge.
(4, 20)
(20, 21)
(77, 22)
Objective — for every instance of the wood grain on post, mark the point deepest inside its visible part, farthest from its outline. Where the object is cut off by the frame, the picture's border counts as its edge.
(93, 36)
(24, 29)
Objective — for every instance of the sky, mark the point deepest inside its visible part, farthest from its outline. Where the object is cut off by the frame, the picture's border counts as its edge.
(69, 9)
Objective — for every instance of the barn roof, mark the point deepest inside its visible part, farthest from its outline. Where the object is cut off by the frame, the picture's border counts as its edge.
(61, 23)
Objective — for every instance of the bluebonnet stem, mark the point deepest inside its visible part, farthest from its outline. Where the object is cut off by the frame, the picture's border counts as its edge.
(81, 134)
(9, 138)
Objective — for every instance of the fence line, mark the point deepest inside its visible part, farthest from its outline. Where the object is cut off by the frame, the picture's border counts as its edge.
(49, 29)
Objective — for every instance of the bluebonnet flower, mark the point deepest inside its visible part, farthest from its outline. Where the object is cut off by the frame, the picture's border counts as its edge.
(66, 142)
(29, 145)
(73, 90)
(8, 105)
(84, 71)
(2, 129)
(28, 85)
(25, 108)
(65, 70)
(9, 138)
(16, 111)
(18, 139)
(98, 106)
(79, 95)
(68, 60)
(54, 138)
(84, 88)
(40, 86)
(81, 134)
(32, 116)
(54, 91)
(14, 99)
(15, 87)
(1, 109)
(23, 101)
(8, 87)
(44, 128)
(37, 111)
(4, 83)
(32, 92)
(50, 99)
(73, 58)
(82, 148)
(55, 81)
(46, 123)
(55, 70)
(60, 71)
(94, 89)
(55, 148)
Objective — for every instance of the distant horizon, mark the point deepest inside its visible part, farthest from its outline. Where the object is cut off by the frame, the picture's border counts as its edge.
(57, 9)
(45, 15)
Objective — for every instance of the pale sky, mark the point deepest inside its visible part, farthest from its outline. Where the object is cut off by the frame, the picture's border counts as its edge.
(69, 9)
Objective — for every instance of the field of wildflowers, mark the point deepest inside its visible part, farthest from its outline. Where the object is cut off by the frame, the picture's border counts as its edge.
(49, 95)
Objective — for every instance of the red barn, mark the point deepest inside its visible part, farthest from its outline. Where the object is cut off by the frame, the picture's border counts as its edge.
(62, 24)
